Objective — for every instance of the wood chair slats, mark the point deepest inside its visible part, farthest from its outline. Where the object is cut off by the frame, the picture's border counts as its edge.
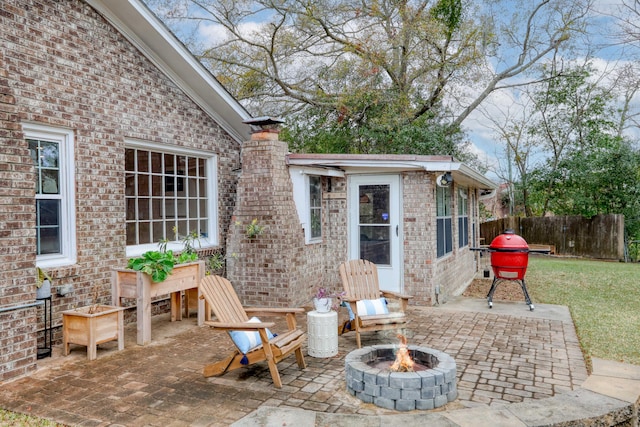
(230, 315)
(360, 282)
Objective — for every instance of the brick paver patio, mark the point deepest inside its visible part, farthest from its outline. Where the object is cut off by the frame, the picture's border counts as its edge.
(500, 359)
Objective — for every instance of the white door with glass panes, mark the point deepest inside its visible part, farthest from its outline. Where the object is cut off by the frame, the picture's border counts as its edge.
(375, 225)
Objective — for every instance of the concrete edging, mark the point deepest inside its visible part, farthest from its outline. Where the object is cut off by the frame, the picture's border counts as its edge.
(578, 408)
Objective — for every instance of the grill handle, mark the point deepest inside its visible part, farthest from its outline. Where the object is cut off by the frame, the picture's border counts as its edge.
(535, 251)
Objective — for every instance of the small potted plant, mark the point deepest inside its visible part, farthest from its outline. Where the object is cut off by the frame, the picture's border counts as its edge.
(253, 229)
(92, 325)
(43, 284)
(323, 300)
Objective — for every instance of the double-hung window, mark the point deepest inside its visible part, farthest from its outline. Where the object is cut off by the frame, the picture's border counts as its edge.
(463, 218)
(170, 194)
(443, 221)
(315, 207)
(51, 151)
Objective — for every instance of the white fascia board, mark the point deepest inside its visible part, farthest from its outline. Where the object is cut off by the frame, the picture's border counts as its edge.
(154, 40)
(305, 170)
(357, 164)
(462, 171)
(481, 181)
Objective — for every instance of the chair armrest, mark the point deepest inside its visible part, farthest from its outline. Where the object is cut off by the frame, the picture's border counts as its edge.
(288, 313)
(396, 295)
(246, 326)
(270, 311)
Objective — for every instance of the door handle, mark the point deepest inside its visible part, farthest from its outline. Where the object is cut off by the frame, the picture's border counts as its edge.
(396, 231)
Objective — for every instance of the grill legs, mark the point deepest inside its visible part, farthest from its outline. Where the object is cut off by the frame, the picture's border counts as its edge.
(494, 285)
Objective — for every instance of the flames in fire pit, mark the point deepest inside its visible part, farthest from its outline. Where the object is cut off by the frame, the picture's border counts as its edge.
(403, 362)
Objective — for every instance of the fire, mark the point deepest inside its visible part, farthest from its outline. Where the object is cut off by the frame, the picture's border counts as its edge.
(403, 362)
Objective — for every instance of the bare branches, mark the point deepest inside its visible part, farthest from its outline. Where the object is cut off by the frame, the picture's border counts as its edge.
(413, 55)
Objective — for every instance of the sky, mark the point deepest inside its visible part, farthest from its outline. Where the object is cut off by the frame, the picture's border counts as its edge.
(607, 56)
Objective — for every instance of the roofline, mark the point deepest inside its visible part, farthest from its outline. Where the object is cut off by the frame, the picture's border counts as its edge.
(135, 21)
(370, 162)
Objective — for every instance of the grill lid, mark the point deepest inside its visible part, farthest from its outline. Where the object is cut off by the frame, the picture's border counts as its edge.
(509, 242)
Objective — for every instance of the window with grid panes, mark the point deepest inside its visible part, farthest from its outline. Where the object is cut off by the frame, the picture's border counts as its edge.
(167, 196)
(51, 151)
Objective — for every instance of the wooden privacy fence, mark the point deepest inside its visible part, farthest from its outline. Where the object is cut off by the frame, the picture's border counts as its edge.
(599, 237)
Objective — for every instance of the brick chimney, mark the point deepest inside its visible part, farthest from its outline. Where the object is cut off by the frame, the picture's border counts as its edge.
(263, 269)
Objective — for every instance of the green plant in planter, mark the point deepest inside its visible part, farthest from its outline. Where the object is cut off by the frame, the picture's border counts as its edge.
(41, 276)
(217, 263)
(189, 242)
(43, 284)
(157, 264)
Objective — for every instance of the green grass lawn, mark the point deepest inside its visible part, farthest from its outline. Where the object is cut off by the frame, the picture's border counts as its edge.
(603, 297)
(12, 419)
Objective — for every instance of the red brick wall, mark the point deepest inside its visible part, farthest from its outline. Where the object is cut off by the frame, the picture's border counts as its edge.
(334, 231)
(279, 269)
(64, 65)
(454, 271)
(270, 269)
(419, 236)
(17, 239)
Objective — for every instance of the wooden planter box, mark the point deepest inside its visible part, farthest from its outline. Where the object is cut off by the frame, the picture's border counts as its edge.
(105, 323)
(139, 286)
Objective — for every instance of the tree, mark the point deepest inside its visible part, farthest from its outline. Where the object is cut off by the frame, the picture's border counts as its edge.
(627, 86)
(371, 71)
(590, 169)
(571, 113)
(630, 15)
(513, 128)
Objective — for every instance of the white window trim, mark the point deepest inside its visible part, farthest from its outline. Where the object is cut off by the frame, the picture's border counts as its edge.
(463, 204)
(300, 183)
(68, 239)
(450, 217)
(212, 240)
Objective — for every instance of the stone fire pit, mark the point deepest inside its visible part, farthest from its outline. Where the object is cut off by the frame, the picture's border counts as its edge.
(430, 388)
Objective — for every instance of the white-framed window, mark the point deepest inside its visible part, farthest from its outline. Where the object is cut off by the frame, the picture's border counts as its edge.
(308, 197)
(169, 193)
(443, 221)
(52, 154)
(463, 217)
(315, 207)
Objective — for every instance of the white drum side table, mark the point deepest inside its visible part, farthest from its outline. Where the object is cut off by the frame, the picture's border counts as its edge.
(322, 334)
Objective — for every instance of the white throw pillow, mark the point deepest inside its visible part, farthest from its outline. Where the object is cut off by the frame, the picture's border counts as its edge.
(248, 340)
(369, 307)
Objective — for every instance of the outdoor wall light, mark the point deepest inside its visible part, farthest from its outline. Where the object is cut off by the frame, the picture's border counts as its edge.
(444, 180)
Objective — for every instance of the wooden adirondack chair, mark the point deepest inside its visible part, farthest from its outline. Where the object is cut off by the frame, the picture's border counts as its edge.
(231, 316)
(360, 281)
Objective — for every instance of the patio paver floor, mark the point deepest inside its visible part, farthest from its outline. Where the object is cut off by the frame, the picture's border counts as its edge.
(504, 355)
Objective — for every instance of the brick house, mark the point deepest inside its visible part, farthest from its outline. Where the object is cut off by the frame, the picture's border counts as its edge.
(321, 209)
(112, 134)
(93, 96)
